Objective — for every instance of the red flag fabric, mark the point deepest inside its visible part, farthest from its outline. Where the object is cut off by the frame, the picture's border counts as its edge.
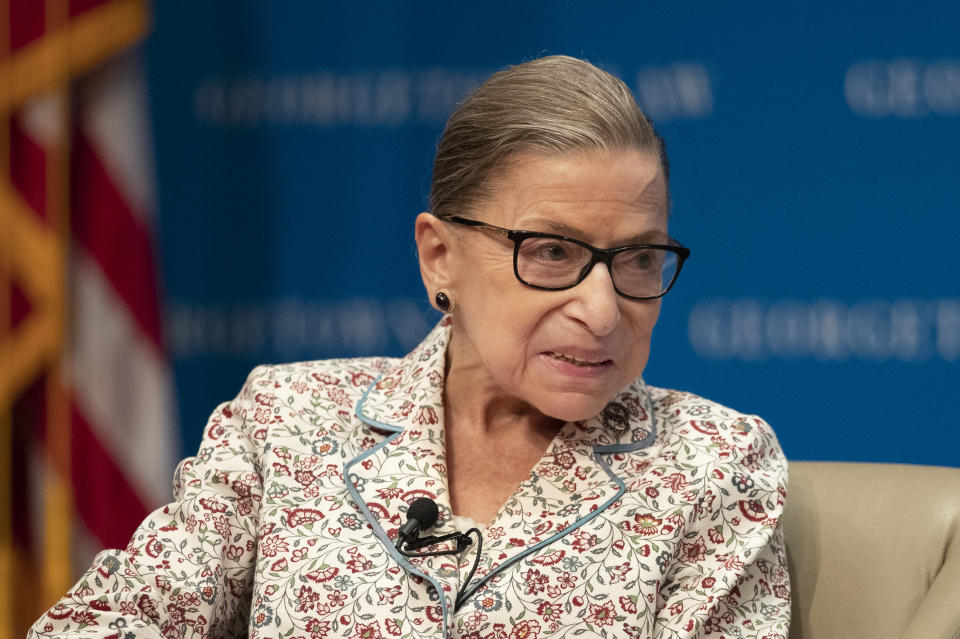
(87, 426)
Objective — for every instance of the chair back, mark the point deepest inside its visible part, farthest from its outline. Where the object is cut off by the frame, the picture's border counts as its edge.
(873, 550)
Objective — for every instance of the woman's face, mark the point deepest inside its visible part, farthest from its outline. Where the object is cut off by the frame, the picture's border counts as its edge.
(566, 353)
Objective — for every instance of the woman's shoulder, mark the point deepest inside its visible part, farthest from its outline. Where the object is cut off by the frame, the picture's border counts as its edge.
(686, 419)
(353, 371)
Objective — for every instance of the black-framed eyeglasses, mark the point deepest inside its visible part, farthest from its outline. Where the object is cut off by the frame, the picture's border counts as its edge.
(554, 263)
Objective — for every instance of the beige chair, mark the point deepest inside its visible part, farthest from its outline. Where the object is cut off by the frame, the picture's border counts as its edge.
(874, 550)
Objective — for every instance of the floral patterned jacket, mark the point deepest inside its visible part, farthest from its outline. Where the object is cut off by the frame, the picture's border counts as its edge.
(657, 518)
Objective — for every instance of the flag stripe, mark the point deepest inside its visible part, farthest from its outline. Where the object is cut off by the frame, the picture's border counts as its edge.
(28, 171)
(120, 381)
(79, 6)
(27, 19)
(115, 238)
(108, 506)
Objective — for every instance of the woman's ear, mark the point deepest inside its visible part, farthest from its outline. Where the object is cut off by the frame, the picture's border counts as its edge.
(433, 239)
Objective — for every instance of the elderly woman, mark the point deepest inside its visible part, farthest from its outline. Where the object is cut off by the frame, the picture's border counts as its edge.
(606, 507)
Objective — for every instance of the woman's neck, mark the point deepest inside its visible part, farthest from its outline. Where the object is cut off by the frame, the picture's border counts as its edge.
(474, 401)
(493, 439)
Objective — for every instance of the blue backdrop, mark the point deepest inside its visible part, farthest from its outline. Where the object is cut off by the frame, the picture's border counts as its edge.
(815, 172)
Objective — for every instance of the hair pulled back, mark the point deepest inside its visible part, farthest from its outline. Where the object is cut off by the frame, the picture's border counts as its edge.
(551, 105)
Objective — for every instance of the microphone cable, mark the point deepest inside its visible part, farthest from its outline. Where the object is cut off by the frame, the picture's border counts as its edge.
(423, 514)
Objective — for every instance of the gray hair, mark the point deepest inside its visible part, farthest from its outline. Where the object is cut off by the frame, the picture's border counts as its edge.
(551, 105)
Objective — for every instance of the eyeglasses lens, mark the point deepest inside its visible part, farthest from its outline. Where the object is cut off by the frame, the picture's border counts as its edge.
(555, 263)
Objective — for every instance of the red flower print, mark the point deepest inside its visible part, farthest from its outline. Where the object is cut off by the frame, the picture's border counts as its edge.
(619, 572)
(475, 619)
(564, 460)
(60, 611)
(426, 415)
(646, 524)
(389, 594)
(318, 629)
(212, 505)
(730, 562)
(405, 409)
(713, 625)
(526, 629)
(389, 493)
(550, 558)
(361, 379)
(323, 573)
(304, 477)
(675, 482)
(705, 427)
(676, 609)
(753, 510)
(148, 607)
(302, 516)
(264, 400)
(536, 582)
(583, 541)
(602, 615)
(392, 627)
(694, 551)
(366, 631)
(83, 618)
(549, 610)
(715, 534)
(566, 580)
(628, 604)
(652, 492)
(708, 582)
(751, 458)
(359, 564)
(272, 545)
(306, 599)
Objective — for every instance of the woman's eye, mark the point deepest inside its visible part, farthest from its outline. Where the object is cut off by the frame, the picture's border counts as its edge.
(643, 260)
(552, 252)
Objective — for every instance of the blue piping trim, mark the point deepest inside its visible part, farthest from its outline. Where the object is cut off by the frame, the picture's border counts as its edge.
(627, 448)
(374, 525)
(358, 411)
(392, 551)
(622, 488)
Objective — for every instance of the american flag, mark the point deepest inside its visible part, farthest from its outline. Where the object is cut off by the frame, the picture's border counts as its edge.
(87, 426)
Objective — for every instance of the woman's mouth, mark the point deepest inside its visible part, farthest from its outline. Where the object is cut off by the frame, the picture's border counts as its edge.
(563, 357)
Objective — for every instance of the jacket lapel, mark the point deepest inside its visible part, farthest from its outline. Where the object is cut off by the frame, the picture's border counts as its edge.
(404, 408)
(571, 484)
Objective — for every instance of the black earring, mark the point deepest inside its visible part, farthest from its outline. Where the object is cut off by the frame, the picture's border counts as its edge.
(444, 303)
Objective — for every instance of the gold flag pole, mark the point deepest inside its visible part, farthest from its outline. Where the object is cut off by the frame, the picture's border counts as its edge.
(6, 417)
(33, 257)
(58, 505)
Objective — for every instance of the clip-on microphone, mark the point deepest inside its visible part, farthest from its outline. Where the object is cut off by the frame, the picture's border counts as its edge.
(423, 514)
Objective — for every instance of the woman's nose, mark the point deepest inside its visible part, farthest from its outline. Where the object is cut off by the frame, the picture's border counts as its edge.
(597, 304)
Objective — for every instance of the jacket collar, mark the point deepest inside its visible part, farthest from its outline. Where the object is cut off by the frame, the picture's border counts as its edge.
(571, 484)
(410, 396)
